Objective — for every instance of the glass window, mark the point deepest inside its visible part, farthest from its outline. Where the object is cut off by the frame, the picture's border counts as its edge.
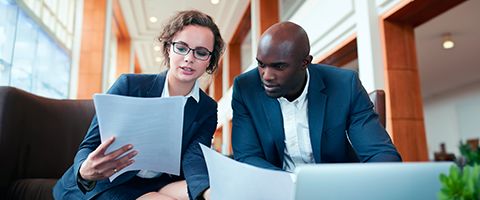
(8, 14)
(24, 53)
(34, 61)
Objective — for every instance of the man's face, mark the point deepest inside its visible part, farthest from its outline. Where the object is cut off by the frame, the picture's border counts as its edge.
(282, 73)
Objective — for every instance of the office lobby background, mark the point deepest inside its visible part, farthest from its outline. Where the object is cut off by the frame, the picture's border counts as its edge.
(423, 54)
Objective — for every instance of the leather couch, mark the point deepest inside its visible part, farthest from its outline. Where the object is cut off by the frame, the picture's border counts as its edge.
(38, 141)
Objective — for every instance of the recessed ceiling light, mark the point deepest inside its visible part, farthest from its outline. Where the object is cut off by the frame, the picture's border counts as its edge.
(447, 41)
(214, 2)
(156, 48)
(153, 19)
(158, 59)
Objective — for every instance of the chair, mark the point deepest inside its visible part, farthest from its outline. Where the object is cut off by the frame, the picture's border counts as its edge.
(378, 99)
(39, 138)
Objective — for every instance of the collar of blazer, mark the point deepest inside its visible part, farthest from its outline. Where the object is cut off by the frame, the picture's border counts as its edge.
(317, 101)
(191, 106)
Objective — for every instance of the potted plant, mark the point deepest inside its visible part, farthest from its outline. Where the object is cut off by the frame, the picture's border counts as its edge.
(463, 180)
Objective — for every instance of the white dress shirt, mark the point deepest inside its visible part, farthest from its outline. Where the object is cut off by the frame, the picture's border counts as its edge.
(195, 93)
(298, 148)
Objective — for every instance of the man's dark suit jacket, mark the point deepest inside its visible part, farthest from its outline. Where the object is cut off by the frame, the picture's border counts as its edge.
(340, 116)
(200, 121)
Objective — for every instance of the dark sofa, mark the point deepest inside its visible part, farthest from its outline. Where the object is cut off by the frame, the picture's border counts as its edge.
(38, 141)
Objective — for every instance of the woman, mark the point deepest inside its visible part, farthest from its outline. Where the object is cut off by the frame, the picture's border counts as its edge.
(192, 45)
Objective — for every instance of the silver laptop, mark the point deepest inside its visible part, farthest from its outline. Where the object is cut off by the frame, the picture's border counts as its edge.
(370, 181)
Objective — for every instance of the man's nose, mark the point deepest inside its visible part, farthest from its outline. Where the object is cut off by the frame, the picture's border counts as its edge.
(268, 74)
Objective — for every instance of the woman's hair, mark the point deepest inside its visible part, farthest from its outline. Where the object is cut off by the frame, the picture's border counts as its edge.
(191, 17)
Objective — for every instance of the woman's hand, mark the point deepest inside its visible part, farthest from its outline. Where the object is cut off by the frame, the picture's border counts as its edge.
(99, 165)
(206, 194)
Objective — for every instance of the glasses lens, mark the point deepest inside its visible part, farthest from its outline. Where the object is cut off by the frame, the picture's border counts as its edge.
(180, 48)
(202, 53)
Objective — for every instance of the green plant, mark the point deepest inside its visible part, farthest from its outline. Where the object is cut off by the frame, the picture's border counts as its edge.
(471, 154)
(463, 180)
(461, 184)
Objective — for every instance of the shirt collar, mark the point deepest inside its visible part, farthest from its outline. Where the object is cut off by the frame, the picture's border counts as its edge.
(302, 96)
(195, 92)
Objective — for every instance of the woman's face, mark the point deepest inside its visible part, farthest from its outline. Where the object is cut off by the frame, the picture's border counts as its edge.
(188, 68)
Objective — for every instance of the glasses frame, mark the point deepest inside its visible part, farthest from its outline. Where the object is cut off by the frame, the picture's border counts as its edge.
(190, 49)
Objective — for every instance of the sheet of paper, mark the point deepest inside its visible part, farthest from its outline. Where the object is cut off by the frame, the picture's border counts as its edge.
(154, 126)
(233, 180)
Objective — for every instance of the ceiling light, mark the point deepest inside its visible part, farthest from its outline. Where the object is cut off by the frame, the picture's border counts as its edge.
(158, 59)
(153, 19)
(447, 41)
(156, 48)
(214, 2)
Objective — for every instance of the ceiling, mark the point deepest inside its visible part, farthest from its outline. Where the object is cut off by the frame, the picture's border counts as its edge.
(441, 69)
(137, 14)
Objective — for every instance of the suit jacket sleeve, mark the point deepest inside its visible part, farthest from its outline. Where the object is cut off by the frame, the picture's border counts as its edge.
(368, 137)
(92, 138)
(193, 162)
(245, 140)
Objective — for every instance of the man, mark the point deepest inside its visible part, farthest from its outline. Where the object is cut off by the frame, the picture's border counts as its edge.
(288, 112)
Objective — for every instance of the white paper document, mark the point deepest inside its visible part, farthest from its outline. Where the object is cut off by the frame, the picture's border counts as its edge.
(154, 126)
(232, 180)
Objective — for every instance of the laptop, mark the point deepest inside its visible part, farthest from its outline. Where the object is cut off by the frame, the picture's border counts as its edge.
(363, 181)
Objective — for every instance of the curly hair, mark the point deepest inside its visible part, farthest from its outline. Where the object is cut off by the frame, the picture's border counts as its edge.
(191, 17)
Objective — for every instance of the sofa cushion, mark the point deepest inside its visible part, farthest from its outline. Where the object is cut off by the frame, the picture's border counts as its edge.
(31, 189)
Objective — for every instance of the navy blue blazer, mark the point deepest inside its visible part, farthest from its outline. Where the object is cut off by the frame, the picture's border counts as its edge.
(339, 109)
(200, 121)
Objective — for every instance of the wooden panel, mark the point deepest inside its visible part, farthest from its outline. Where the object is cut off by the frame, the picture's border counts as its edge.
(137, 68)
(120, 21)
(268, 14)
(123, 57)
(235, 56)
(90, 65)
(346, 52)
(406, 109)
(420, 11)
(218, 82)
(243, 27)
(217, 140)
(410, 142)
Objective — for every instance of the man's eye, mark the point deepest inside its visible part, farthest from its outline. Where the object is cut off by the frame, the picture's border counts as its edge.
(281, 66)
(261, 65)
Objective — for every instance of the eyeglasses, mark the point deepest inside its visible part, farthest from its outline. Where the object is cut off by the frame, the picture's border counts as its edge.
(200, 53)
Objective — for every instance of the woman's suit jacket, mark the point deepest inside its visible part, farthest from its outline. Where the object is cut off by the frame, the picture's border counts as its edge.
(200, 121)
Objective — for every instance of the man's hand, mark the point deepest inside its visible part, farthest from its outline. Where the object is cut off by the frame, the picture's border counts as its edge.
(206, 194)
(99, 166)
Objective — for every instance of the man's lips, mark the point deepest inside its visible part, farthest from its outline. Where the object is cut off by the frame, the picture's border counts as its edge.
(270, 87)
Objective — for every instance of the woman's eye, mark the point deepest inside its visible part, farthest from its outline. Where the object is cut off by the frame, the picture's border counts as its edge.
(202, 53)
(182, 49)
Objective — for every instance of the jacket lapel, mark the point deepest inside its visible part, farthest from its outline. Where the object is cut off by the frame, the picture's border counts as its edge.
(157, 86)
(273, 114)
(191, 106)
(317, 102)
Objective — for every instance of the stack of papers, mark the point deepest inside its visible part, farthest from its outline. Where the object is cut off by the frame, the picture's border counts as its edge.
(154, 127)
(233, 180)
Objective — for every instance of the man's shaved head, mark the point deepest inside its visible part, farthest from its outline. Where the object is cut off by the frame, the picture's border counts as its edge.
(287, 39)
(283, 58)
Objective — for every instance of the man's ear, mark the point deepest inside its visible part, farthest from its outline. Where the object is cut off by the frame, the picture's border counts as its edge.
(307, 61)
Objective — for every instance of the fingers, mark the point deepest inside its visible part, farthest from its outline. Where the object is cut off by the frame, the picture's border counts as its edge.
(103, 147)
(115, 154)
(125, 161)
(113, 166)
